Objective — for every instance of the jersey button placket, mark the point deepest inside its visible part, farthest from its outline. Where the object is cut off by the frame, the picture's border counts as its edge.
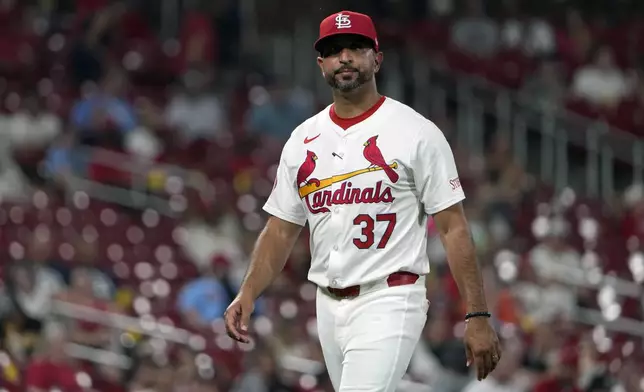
(339, 166)
(342, 146)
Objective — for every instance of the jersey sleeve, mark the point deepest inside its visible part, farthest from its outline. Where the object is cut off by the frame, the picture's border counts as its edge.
(284, 201)
(435, 173)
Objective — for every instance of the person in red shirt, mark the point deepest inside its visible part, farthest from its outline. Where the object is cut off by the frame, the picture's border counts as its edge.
(52, 368)
(81, 293)
(198, 40)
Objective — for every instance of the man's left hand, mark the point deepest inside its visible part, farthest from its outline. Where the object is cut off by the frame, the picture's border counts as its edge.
(482, 346)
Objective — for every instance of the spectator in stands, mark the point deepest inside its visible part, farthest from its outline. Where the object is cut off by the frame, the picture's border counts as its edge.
(546, 88)
(476, 33)
(554, 252)
(194, 113)
(556, 264)
(50, 367)
(32, 127)
(87, 258)
(30, 131)
(601, 83)
(26, 136)
(84, 330)
(540, 38)
(204, 299)
(104, 116)
(199, 44)
(209, 233)
(30, 291)
(275, 112)
(81, 294)
(26, 309)
(531, 35)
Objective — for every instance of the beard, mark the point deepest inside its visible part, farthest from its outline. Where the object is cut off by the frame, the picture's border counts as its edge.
(346, 84)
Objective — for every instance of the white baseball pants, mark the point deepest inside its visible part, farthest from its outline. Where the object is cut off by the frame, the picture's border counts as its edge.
(368, 340)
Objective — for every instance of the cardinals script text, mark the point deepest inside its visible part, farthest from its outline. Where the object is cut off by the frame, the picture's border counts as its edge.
(319, 202)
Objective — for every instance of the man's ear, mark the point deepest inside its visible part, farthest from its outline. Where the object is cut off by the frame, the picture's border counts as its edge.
(378, 60)
(319, 60)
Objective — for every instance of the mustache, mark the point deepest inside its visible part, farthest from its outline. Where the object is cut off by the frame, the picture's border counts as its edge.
(345, 69)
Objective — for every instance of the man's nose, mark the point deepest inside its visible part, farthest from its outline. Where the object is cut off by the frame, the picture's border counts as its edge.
(346, 56)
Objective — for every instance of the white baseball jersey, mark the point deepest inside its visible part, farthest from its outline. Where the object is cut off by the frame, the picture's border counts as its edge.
(366, 189)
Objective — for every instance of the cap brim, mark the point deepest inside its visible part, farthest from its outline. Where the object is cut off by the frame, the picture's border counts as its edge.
(320, 42)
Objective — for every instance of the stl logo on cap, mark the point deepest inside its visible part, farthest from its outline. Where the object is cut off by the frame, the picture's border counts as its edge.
(342, 21)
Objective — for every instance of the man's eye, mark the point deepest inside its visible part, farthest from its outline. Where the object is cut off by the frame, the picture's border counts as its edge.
(332, 50)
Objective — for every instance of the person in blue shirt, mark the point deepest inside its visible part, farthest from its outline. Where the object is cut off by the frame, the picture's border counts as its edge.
(280, 111)
(101, 119)
(203, 300)
(105, 110)
(206, 298)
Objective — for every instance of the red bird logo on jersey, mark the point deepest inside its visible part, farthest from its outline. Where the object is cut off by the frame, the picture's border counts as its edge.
(373, 154)
(306, 169)
(318, 196)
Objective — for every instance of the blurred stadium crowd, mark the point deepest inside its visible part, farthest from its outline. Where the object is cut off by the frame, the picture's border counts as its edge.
(139, 142)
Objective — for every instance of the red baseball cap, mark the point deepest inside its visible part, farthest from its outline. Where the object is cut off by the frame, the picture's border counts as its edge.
(347, 22)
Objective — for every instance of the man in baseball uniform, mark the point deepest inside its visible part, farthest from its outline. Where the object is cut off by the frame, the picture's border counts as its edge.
(366, 173)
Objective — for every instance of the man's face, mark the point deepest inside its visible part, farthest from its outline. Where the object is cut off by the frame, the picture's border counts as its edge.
(348, 61)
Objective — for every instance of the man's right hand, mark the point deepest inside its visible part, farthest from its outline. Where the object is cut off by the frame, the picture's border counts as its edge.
(237, 318)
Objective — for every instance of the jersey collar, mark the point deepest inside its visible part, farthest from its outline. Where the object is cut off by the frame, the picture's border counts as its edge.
(346, 123)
